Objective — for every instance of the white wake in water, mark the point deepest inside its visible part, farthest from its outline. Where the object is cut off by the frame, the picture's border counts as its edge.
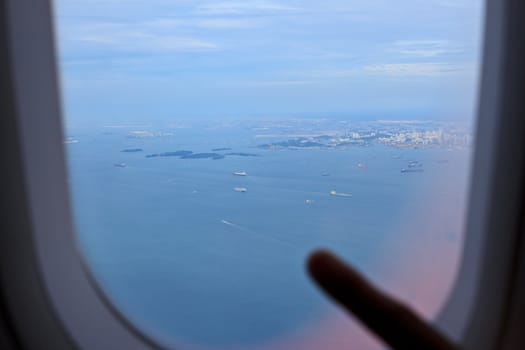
(225, 222)
(245, 229)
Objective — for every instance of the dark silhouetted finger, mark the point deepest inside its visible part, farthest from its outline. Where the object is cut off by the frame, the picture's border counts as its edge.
(391, 320)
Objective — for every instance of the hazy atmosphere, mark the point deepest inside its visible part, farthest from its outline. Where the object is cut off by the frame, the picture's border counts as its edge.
(152, 61)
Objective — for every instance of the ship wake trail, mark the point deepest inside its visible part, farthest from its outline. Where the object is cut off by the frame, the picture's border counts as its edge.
(252, 232)
(225, 222)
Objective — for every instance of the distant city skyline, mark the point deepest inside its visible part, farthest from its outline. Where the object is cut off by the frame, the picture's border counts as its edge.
(156, 61)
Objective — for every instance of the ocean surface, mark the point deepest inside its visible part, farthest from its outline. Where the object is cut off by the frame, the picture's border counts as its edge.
(197, 265)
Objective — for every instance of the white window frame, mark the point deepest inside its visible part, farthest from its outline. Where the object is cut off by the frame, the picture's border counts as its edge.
(47, 295)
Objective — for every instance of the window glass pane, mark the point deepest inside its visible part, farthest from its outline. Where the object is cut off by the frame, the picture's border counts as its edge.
(213, 144)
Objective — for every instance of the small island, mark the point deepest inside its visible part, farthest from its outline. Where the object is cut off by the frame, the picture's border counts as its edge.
(241, 154)
(185, 154)
(182, 153)
(316, 142)
(213, 156)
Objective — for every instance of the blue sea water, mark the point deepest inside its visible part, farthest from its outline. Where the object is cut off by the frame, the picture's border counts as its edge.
(188, 259)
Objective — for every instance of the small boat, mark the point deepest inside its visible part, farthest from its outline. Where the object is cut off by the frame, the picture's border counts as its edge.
(119, 165)
(240, 173)
(70, 140)
(337, 194)
(325, 174)
(415, 164)
(361, 166)
(309, 201)
(412, 170)
(240, 189)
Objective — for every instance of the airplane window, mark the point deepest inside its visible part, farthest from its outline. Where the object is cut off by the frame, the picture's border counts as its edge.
(212, 145)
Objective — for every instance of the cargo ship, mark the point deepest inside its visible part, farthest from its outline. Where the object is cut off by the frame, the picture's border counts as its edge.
(337, 194)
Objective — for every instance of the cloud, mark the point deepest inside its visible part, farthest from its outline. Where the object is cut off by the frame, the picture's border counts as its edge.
(425, 48)
(335, 73)
(276, 83)
(413, 69)
(456, 3)
(225, 23)
(147, 42)
(242, 8)
(129, 37)
(206, 23)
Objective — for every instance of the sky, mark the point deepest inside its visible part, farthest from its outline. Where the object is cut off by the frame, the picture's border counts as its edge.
(155, 61)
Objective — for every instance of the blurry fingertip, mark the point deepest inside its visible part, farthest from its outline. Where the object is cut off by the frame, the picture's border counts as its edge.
(317, 259)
